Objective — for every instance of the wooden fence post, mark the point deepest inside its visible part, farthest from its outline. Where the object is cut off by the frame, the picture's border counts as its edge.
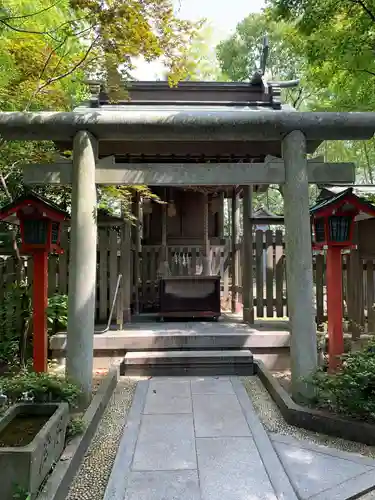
(259, 263)
(319, 288)
(355, 295)
(370, 296)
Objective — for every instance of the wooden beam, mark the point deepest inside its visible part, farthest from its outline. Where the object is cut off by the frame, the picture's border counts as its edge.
(247, 264)
(189, 174)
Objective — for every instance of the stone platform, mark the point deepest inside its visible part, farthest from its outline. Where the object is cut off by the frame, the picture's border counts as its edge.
(267, 340)
(199, 438)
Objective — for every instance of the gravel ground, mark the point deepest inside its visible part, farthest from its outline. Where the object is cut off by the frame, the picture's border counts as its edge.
(92, 477)
(273, 421)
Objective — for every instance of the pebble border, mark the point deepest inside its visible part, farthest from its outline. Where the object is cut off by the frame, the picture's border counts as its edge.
(92, 477)
(273, 421)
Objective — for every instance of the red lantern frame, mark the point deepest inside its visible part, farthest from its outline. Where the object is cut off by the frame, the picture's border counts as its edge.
(27, 208)
(345, 204)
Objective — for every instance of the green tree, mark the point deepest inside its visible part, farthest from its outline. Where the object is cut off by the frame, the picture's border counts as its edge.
(47, 51)
(239, 55)
(341, 69)
(202, 62)
(338, 40)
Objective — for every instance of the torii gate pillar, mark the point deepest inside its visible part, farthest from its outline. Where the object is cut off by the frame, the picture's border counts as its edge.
(82, 265)
(299, 271)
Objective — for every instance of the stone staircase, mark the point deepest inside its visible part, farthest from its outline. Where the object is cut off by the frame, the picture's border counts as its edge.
(188, 362)
(225, 347)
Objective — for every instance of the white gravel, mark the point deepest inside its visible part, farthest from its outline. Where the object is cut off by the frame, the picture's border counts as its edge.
(273, 421)
(92, 477)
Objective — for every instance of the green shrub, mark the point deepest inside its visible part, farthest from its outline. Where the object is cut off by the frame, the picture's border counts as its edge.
(57, 313)
(76, 426)
(20, 493)
(15, 314)
(43, 387)
(350, 391)
(16, 321)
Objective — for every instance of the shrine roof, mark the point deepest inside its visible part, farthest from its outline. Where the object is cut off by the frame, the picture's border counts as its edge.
(216, 119)
(8, 212)
(265, 214)
(190, 92)
(339, 199)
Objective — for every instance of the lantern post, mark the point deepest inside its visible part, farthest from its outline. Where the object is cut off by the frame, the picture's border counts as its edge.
(40, 230)
(332, 231)
(40, 303)
(334, 306)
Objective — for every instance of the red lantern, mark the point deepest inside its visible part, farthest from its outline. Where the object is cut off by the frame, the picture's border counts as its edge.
(332, 222)
(40, 224)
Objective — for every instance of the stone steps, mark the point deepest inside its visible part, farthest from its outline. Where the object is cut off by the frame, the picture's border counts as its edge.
(180, 363)
(124, 341)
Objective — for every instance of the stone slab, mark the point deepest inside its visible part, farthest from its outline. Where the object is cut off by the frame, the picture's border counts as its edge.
(187, 357)
(165, 442)
(170, 387)
(319, 448)
(218, 415)
(211, 385)
(230, 468)
(161, 404)
(313, 473)
(278, 477)
(349, 490)
(163, 485)
(227, 368)
(168, 396)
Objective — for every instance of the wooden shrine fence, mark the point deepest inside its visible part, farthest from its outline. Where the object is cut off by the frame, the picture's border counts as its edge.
(269, 280)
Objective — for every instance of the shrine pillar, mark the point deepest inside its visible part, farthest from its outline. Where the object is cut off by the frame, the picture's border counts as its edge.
(221, 215)
(163, 270)
(247, 264)
(206, 239)
(235, 255)
(299, 270)
(82, 265)
(126, 266)
(137, 249)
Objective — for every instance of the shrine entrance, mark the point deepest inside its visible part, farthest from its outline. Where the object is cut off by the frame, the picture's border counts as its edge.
(232, 135)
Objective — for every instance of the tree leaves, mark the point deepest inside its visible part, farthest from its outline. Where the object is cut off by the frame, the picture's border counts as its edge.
(239, 55)
(339, 44)
(48, 50)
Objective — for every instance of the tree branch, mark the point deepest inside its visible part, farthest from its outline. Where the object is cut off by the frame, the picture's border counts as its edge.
(20, 30)
(71, 70)
(30, 32)
(46, 33)
(10, 18)
(53, 51)
(365, 8)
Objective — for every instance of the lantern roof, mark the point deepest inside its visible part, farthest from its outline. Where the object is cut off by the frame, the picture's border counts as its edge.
(8, 213)
(347, 199)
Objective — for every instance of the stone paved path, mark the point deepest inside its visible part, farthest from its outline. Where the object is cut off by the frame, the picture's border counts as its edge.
(200, 439)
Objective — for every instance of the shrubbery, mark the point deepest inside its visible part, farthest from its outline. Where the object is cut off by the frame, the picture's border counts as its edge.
(350, 391)
(42, 387)
(16, 322)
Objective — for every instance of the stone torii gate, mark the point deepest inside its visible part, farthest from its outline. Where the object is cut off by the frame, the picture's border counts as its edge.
(297, 132)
